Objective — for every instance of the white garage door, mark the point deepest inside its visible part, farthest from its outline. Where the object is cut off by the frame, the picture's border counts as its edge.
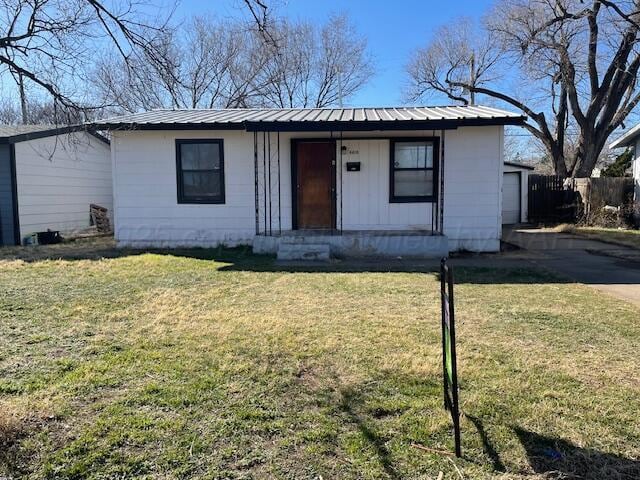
(511, 198)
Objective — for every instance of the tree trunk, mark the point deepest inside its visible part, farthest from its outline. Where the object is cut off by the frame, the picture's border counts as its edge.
(557, 158)
(586, 156)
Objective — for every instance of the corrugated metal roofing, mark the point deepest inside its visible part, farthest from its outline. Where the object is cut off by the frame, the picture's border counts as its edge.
(319, 118)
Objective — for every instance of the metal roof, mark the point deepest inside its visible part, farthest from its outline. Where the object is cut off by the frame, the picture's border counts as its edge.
(627, 138)
(295, 119)
(22, 133)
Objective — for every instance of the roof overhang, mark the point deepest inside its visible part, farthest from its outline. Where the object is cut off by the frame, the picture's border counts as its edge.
(519, 165)
(52, 132)
(320, 126)
(327, 119)
(626, 139)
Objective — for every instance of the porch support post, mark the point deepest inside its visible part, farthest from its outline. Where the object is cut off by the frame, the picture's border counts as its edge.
(441, 193)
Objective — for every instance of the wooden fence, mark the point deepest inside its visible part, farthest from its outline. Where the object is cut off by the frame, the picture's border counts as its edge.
(596, 193)
(558, 199)
(552, 199)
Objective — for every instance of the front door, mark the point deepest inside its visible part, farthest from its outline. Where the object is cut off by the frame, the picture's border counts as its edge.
(314, 185)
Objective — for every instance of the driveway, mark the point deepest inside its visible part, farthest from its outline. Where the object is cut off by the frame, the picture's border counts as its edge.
(610, 268)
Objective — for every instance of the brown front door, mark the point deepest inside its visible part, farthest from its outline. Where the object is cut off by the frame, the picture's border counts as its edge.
(314, 184)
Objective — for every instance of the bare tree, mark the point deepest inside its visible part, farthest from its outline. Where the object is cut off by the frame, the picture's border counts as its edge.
(309, 66)
(34, 111)
(206, 65)
(571, 66)
(48, 49)
(215, 63)
(47, 46)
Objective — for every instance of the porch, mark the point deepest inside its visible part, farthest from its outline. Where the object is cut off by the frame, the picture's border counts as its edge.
(322, 245)
(332, 195)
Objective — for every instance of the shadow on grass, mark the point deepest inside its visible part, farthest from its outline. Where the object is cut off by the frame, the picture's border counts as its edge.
(487, 446)
(349, 406)
(490, 269)
(555, 456)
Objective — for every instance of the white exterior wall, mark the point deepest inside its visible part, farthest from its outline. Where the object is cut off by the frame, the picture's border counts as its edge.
(473, 188)
(147, 212)
(524, 190)
(57, 178)
(365, 199)
(145, 191)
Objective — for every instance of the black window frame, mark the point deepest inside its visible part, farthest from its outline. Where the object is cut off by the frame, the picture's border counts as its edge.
(191, 199)
(393, 198)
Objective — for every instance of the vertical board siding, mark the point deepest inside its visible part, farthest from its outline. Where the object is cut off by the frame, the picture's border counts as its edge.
(365, 201)
(58, 178)
(147, 212)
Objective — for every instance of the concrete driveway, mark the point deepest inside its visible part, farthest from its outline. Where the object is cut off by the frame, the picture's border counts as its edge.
(610, 268)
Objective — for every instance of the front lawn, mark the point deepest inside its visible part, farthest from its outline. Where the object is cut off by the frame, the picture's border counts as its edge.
(630, 238)
(181, 366)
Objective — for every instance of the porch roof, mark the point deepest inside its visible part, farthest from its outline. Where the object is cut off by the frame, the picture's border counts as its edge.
(314, 119)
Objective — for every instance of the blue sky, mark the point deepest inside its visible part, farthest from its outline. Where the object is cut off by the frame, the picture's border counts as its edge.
(394, 29)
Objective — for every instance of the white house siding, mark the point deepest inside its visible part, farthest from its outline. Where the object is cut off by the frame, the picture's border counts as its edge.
(57, 178)
(472, 188)
(147, 212)
(146, 207)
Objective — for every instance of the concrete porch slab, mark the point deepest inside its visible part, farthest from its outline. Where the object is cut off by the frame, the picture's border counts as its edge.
(366, 243)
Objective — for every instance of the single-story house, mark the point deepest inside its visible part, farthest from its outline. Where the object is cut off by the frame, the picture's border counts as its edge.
(48, 178)
(515, 192)
(631, 138)
(306, 183)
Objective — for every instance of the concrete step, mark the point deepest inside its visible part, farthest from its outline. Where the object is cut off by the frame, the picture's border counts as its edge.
(306, 239)
(304, 251)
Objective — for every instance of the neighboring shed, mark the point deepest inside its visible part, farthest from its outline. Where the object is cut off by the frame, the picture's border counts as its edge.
(632, 139)
(48, 178)
(515, 192)
(308, 183)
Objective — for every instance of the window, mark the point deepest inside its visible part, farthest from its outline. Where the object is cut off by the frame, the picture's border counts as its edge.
(200, 169)
(413, 170)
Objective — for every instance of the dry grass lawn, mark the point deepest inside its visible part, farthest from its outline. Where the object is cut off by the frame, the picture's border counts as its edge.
(217, 364)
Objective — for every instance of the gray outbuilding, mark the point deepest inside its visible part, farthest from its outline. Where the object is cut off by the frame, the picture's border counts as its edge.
(48, 178)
